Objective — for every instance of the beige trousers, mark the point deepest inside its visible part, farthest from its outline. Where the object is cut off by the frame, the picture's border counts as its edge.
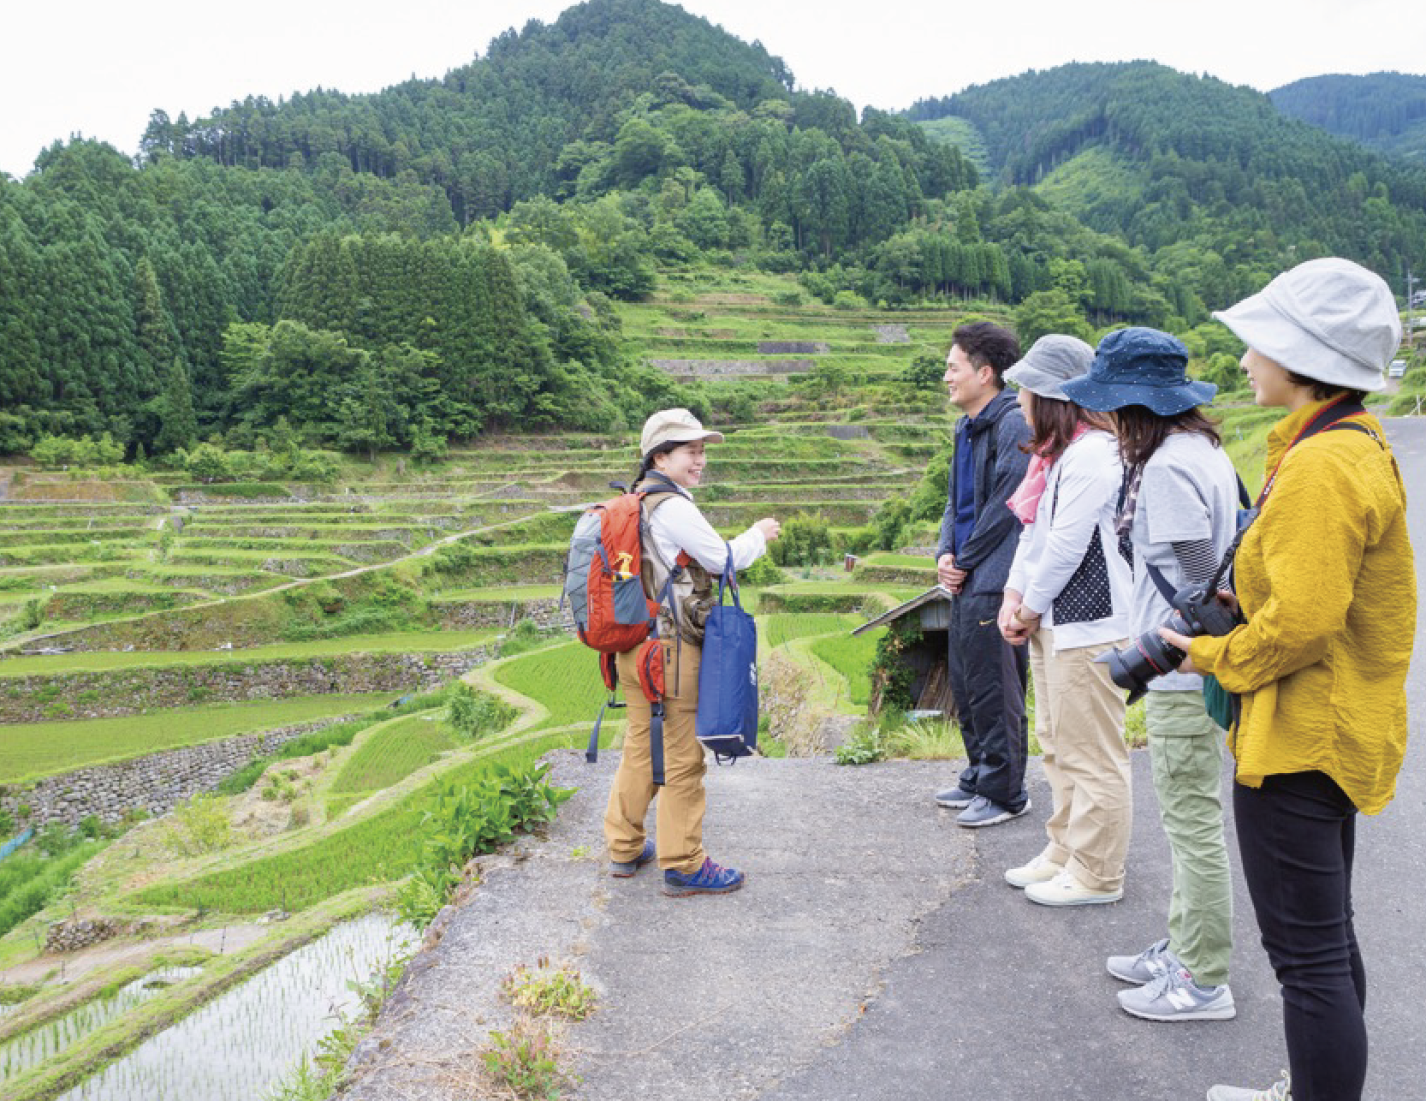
(682, 800)
(1079, 723)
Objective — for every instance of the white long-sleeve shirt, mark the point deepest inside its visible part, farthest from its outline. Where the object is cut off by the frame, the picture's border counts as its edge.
(678, 525)
(1081, 497)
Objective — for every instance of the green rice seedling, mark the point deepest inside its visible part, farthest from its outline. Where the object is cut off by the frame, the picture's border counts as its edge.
(852, 658)
(392, 753)
(29, 751)
(564, 678)
(378, 849)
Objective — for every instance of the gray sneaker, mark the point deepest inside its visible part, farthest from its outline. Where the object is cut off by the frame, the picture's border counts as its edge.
(987, 812)
(1147, 966)
(1280, 1090)
(1174, 996)
(955, 799)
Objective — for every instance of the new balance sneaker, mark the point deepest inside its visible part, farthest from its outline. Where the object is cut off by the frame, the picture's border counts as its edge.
(1174, 996)
(1280, 1090)
(1066, 890)
(955, 799)
(623, 869)
(708, 880)
(1147, 966)
(1039, 870)
(987, 812)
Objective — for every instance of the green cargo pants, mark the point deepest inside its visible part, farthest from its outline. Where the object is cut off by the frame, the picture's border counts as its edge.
(1186, 749)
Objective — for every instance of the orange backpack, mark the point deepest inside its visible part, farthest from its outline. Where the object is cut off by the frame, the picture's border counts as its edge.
(612, 614)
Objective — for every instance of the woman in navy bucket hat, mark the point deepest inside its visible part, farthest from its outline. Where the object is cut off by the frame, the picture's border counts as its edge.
(1178, 510)
(1139, 367)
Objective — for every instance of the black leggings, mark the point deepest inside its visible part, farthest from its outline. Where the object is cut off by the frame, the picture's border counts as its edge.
(1296, 835)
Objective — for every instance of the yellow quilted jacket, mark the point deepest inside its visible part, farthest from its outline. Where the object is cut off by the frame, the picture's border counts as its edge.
(1327, 580)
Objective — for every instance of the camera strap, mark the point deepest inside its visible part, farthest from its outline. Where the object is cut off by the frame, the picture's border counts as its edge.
(1333, 416)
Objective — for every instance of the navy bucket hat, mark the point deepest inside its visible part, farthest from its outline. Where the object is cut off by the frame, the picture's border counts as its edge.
(1139, 367)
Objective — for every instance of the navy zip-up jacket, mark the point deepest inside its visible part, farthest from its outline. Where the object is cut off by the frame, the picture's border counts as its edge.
(996, 436)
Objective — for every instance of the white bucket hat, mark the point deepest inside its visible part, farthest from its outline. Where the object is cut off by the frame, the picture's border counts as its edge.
(1330, 320)
(673, 426)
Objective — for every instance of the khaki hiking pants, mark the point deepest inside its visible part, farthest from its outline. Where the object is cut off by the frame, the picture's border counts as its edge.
(681, 801)
(1079, 722)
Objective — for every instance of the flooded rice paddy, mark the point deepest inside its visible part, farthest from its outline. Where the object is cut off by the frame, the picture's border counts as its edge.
(40, 1044)
(238, 1045)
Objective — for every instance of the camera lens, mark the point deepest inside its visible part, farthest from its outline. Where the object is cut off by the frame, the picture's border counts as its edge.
(1147, 657)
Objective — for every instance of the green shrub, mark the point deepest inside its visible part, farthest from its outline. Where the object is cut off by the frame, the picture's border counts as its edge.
(199, 826)
(891, 676)
(805, 540)
(471, 818)
(473, 714)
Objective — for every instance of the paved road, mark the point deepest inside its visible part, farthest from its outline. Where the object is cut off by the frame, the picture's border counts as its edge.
(1013, 997)
(876, 955)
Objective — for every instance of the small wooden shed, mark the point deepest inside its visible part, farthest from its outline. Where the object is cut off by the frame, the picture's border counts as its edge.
(930, 686)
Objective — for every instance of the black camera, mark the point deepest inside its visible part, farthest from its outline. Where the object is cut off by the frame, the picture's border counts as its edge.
(1196, 611)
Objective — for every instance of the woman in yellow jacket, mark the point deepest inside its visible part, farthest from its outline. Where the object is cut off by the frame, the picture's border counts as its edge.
(1326, 580)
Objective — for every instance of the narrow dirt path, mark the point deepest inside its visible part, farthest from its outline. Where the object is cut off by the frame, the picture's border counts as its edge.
(76, 965)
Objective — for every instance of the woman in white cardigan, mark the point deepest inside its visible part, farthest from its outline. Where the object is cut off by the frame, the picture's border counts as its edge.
(1067, 598)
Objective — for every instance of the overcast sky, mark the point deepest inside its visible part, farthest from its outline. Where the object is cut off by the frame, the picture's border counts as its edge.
(100, 67)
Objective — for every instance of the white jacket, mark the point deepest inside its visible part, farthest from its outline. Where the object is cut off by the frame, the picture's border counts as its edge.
(1081, 585)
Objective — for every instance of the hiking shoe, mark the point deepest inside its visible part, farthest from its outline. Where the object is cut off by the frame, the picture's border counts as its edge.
(955, 799)
(1066, 890)
(1039, 870)
(708, 880)
(1174, 996)
(1147, 966)
(623, 869)
(1280, 1090)
(987, 812)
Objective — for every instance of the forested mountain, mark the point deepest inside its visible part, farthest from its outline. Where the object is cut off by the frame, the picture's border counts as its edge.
(438, 259)
(1189, 164)
(1386, 111)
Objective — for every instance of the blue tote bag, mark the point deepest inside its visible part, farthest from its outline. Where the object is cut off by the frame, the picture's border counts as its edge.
(727, 721)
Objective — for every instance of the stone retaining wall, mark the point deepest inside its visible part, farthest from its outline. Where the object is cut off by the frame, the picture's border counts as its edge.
(77, 933)
(475, 615)
(116, 692)
(156, 783)
(793, 347)
(717, 368)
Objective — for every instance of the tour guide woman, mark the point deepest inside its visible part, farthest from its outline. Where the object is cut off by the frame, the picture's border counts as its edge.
(672, 445)
(1326, 579)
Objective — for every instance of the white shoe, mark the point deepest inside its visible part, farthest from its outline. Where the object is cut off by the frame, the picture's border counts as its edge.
(1066, 890)
(1281, 1090)
(1040, 870)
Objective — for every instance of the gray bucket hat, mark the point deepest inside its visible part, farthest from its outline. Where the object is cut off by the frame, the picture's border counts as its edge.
(1051, 361)
(1329, 319)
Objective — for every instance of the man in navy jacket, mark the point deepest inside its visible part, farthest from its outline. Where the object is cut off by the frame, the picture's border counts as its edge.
(977, 545)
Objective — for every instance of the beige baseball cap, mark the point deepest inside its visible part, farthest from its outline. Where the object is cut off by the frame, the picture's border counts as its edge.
(674, 426)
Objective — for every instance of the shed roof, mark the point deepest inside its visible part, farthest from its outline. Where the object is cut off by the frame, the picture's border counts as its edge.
(935, 592)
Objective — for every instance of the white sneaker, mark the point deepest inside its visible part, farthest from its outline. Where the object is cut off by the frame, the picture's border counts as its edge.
(1066, 890)
(1280, 1090)
(1040, 870)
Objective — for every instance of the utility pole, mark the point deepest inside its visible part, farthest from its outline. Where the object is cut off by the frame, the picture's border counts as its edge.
(1410, 327)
